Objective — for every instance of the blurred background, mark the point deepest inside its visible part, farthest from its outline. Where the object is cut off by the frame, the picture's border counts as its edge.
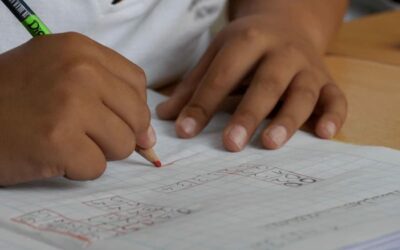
(360, 8)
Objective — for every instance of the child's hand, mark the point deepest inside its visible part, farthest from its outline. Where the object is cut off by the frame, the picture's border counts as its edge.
(284, 65)
(68, 104)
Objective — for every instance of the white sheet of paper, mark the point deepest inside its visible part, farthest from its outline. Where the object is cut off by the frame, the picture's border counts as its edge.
(311, 194)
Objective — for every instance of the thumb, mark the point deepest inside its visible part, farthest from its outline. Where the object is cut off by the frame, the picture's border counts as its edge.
(146, 139)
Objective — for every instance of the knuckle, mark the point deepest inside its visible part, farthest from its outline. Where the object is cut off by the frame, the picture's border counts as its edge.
(252, 34)
(54, 134)
(272, 85)
(68, 100)
(291, 48)
(72, 44)
(70, 40)
(79, 68)
(57, 129)
(126, 148)
(248, 118)
(306, 92)
(291, 51)
(218, 81)
(198, 110)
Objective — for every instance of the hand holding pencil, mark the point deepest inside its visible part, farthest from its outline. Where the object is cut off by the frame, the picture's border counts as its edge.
(78, 105)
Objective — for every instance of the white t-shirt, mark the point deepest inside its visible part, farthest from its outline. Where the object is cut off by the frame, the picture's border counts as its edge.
(164, 37)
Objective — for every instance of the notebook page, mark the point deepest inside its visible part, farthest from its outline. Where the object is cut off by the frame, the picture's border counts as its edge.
(11, 240)
(309, 193)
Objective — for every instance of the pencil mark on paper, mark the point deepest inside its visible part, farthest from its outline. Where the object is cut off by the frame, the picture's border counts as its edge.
(121, 216)
(113, 204)
(51, 221)
(174, 161)
(274, 175)
(264, 173)
(190, 183)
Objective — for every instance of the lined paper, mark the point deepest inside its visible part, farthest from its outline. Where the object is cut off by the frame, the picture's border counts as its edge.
(310, 194)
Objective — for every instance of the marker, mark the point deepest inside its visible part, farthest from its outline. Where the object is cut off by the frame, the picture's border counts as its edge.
(27, 17)
(36, 27)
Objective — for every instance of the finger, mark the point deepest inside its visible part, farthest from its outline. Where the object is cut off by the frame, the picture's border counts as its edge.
(118, 96)
(230, 66)
(123, 68)
(132, 109)
(113, 136)
(333, 104)
(302, 97)
(88, 162)
(171, 108)
(269, 83)
(111, 60)
(147, 139)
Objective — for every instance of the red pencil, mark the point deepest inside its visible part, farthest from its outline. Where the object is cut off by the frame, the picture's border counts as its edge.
(149, 155)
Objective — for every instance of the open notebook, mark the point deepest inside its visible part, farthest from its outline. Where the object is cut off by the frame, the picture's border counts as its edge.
(312, 194)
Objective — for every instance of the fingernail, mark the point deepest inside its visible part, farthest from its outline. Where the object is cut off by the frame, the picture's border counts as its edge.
(188, 126)
(238, 135)
(330, 129)
(278, 135)
(151, 135)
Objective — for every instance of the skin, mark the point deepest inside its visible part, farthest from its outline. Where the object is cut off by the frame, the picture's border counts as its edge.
(67, 105)
(278, 45)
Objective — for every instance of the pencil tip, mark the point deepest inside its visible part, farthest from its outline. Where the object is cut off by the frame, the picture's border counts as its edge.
(157, 164)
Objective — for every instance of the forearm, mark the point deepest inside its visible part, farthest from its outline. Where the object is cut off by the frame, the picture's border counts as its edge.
(317, 19)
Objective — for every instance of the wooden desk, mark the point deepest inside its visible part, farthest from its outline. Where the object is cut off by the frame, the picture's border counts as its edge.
(367, 67)
(375, 38)
(373, 92)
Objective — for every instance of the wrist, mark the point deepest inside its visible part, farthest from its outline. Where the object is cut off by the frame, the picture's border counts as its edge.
(313, 21)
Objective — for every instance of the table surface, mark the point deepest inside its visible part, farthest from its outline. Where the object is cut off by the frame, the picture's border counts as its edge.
(365, 62)
(373, 92)
(374, 38)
